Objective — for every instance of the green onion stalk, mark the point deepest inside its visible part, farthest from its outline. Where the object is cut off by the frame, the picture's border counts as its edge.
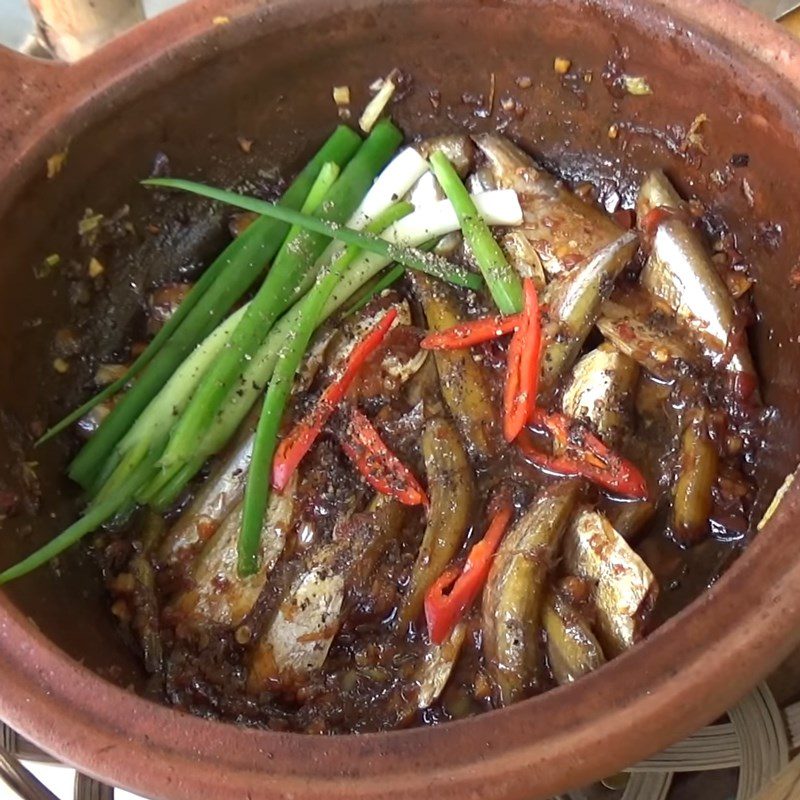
(231, 275)
(291, 265)
(310, 310)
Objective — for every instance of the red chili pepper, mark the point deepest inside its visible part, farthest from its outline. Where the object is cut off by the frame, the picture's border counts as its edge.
(449, 598)
(293, 448)
(580, 452)
(467, 334)
(522, 377)
(381, 468)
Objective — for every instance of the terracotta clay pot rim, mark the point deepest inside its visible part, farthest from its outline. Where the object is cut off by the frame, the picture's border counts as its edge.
(157, 751)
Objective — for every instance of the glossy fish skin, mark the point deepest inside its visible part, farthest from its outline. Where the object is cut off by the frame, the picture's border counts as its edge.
(574, 302)
(625, 588)
(633, 324)
(514, 595)
(572, 649)
(220, 494)
(679, 272)
(522, 255)
(562, 228)
(437, 666)
(657, 191)
(692, 500)
(464, 384)
(451, 489)
(218, 594)
(298, 638)
(600, 392)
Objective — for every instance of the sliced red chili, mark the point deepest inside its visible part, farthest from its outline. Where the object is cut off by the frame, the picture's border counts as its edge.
(522, 376)
(451, 595)
(294, 447)
(577, 451)
(379, 466)
(467, 334)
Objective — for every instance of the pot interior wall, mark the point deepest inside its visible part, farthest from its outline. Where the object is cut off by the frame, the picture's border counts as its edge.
(274, 88)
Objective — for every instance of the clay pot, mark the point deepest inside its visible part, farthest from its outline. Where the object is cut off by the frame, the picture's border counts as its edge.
(188, 84)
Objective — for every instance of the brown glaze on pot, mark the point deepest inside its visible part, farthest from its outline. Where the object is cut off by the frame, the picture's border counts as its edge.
(188, 87)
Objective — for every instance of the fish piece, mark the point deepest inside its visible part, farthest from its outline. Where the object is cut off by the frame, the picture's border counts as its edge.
(699, 463)
(563, 229)
(657, 191)
(314, 359)
(573, 301)
(679, 272)
(218, 594)
(514, 594)
(307, 621)
(600, 392)
(523, 257)
(368, 534)
(219, 495)
(437, 666)
(464, 384)
(449, 245)
(451, 489)
(459, 149)
(636, 327)
(481, 180)
(146, 616)
(625, 588)
(398, 358)
(572, 649)
(302, 630)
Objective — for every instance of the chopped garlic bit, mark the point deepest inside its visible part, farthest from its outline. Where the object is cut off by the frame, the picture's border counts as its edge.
(613, 131)
(341, 95)
(56, 163)
(693, 140)
(95, 268)
(220, 20)
(60, 365)
(636, 85)
(562, 65)
(378, 103)
(246, 145)
(739, 284)
(88, 225)
(108, 373)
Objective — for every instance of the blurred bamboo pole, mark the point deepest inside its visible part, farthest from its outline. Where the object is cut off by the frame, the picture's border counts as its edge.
(71, 29)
